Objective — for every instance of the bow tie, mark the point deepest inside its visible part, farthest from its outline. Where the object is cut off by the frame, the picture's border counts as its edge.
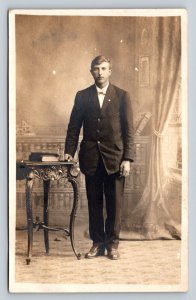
(101, 93)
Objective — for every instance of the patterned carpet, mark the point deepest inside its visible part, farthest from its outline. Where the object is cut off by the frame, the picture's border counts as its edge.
(141, 262)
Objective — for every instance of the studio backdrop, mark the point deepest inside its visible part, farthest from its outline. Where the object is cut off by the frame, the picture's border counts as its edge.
(53, 56)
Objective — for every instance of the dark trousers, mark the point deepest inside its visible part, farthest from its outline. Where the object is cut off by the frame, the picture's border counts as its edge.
(112, 187)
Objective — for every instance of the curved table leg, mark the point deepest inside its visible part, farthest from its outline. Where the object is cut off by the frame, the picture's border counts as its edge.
(73, 214)
(45, 213)
(29, 186)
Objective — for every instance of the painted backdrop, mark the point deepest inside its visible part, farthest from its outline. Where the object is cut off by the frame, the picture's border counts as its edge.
(53, 56)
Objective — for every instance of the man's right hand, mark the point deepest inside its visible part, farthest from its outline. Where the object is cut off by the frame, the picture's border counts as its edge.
(68, 157)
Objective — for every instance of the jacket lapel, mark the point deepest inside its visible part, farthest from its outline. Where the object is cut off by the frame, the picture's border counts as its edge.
(94, 98)
(110, 94)
(108, 98)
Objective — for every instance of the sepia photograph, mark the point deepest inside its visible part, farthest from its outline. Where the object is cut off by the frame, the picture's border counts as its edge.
(98, 151)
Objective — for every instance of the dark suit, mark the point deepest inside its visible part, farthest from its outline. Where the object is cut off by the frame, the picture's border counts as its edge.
(107, 140)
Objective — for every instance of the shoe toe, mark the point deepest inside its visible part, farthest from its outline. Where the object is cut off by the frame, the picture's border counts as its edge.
(94, 252)
(113, 254)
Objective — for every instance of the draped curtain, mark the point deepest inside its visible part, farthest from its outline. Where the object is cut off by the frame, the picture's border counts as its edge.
(152, 211)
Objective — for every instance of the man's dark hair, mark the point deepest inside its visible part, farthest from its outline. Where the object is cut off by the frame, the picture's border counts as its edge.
(100, 59)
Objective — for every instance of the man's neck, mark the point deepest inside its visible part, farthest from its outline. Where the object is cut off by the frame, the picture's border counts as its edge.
(101, 86)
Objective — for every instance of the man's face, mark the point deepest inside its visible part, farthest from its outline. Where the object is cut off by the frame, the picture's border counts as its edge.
(101, 73)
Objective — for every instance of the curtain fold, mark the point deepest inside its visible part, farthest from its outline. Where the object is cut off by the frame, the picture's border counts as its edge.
(152, 212)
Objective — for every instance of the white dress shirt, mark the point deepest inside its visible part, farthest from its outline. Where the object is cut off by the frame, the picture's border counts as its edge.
(101, 96)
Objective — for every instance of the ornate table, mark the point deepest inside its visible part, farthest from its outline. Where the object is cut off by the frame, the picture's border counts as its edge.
(48, 171)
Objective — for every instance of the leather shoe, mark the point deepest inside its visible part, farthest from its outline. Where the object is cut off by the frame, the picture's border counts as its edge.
(113, 253)
(96, 250)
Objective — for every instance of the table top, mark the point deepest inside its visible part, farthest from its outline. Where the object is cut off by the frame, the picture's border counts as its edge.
(28, 163)
(47, 170)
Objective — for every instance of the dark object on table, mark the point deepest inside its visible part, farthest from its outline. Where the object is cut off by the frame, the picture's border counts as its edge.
(43, 156)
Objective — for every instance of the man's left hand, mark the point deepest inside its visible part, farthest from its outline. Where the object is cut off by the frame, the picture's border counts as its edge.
(125, 168)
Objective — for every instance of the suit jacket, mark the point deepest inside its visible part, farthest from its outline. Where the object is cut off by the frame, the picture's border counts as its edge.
(107, 131)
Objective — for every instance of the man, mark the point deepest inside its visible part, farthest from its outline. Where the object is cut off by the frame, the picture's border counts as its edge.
(106, 152)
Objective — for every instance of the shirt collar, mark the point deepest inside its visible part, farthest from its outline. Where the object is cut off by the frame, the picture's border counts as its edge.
(102, 90)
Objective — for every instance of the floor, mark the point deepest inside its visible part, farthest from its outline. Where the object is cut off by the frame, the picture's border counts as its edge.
(141, 262)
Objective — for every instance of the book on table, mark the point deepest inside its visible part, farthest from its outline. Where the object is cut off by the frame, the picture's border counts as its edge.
(44, 156)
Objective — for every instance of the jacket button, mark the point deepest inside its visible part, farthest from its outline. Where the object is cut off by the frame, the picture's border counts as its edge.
(98, 142)
(98, 119)
(98, 130)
